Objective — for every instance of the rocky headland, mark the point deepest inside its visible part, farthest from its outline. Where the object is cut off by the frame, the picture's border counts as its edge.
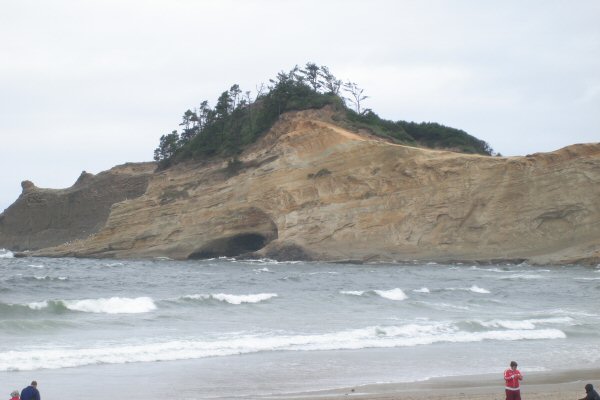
(310, 189)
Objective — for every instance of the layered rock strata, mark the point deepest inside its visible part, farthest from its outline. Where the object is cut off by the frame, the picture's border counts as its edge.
(48, 217)
(310, 189)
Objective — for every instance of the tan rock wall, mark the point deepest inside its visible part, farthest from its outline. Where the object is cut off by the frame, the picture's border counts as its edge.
(310, 189)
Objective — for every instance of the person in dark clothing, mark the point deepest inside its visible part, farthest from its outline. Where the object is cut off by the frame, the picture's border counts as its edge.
(591, 394)
(30, 392)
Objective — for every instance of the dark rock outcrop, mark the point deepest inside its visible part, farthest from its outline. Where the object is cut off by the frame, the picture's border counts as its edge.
(48, 217)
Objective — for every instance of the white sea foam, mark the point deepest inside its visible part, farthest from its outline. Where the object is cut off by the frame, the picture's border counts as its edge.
(522, 276)
(38, 305)
(557, 320)
(265, 269)
(476, 268)
(508, 324)
(474, 289)
(514, 272)
(232, 298)
(115, 264)
(370, 337)
(477, 289)
(525, 324)
(444, 306)
(422, 290)
(113, 305)
(267, 261)
(353, 292)
(239, 299)
(50, 278)
(393, 294)
(38, 266)
(6, 253)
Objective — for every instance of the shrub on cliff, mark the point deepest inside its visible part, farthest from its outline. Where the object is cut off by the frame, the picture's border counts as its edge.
(427, 134)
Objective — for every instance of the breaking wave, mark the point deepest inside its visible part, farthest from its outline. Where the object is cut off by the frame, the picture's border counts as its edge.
(6, 253)
(46, 278)
(369, 337)
(125, 305)
(524, 324)
(521, 276)
(393, 294)
(232, 298)
(353, 292)
(474, 289)
(112, 305)
(477, 289)
(422, 290)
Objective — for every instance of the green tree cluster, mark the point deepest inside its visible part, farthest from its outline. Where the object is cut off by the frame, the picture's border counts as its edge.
(239, 118)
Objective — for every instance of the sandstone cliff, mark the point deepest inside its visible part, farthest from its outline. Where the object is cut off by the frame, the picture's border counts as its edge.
(310, 189)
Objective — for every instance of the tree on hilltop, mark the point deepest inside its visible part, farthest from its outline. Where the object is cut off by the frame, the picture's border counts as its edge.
(329, 81)
(189, 123)
(311, 75)
(356, 94)
(223, 106)
(204, 115)
(167, 147)
(234, 95)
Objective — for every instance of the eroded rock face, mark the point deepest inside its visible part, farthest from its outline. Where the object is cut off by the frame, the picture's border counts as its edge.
(240, 231)
(45, 217)
(312, 190)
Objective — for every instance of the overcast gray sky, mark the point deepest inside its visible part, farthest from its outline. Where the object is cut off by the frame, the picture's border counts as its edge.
(86, 85)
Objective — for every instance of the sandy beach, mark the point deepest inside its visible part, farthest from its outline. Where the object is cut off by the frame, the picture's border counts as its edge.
(536, 386)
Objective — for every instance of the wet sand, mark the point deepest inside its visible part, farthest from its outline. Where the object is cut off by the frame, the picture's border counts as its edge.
(535, 386)
(192, 380)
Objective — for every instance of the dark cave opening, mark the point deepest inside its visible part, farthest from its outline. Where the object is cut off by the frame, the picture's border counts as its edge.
(231, 246)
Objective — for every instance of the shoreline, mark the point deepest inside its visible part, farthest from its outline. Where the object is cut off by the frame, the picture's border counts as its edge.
(591, 262)
(553, 385)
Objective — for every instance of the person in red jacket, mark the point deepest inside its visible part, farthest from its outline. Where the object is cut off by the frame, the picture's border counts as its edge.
(15, 395)
(512, 376)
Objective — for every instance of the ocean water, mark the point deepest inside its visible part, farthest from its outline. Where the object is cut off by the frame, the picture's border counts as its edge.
(248, 329)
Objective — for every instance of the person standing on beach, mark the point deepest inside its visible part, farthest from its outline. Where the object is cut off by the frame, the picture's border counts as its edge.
(512, 376)
(30, 392)
(14, 395)
(591, 394)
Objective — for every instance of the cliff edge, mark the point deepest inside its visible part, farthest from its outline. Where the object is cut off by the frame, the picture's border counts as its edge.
(312, 190)
(48, 217)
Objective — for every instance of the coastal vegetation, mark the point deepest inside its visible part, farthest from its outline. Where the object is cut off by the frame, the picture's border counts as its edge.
(240, 117)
